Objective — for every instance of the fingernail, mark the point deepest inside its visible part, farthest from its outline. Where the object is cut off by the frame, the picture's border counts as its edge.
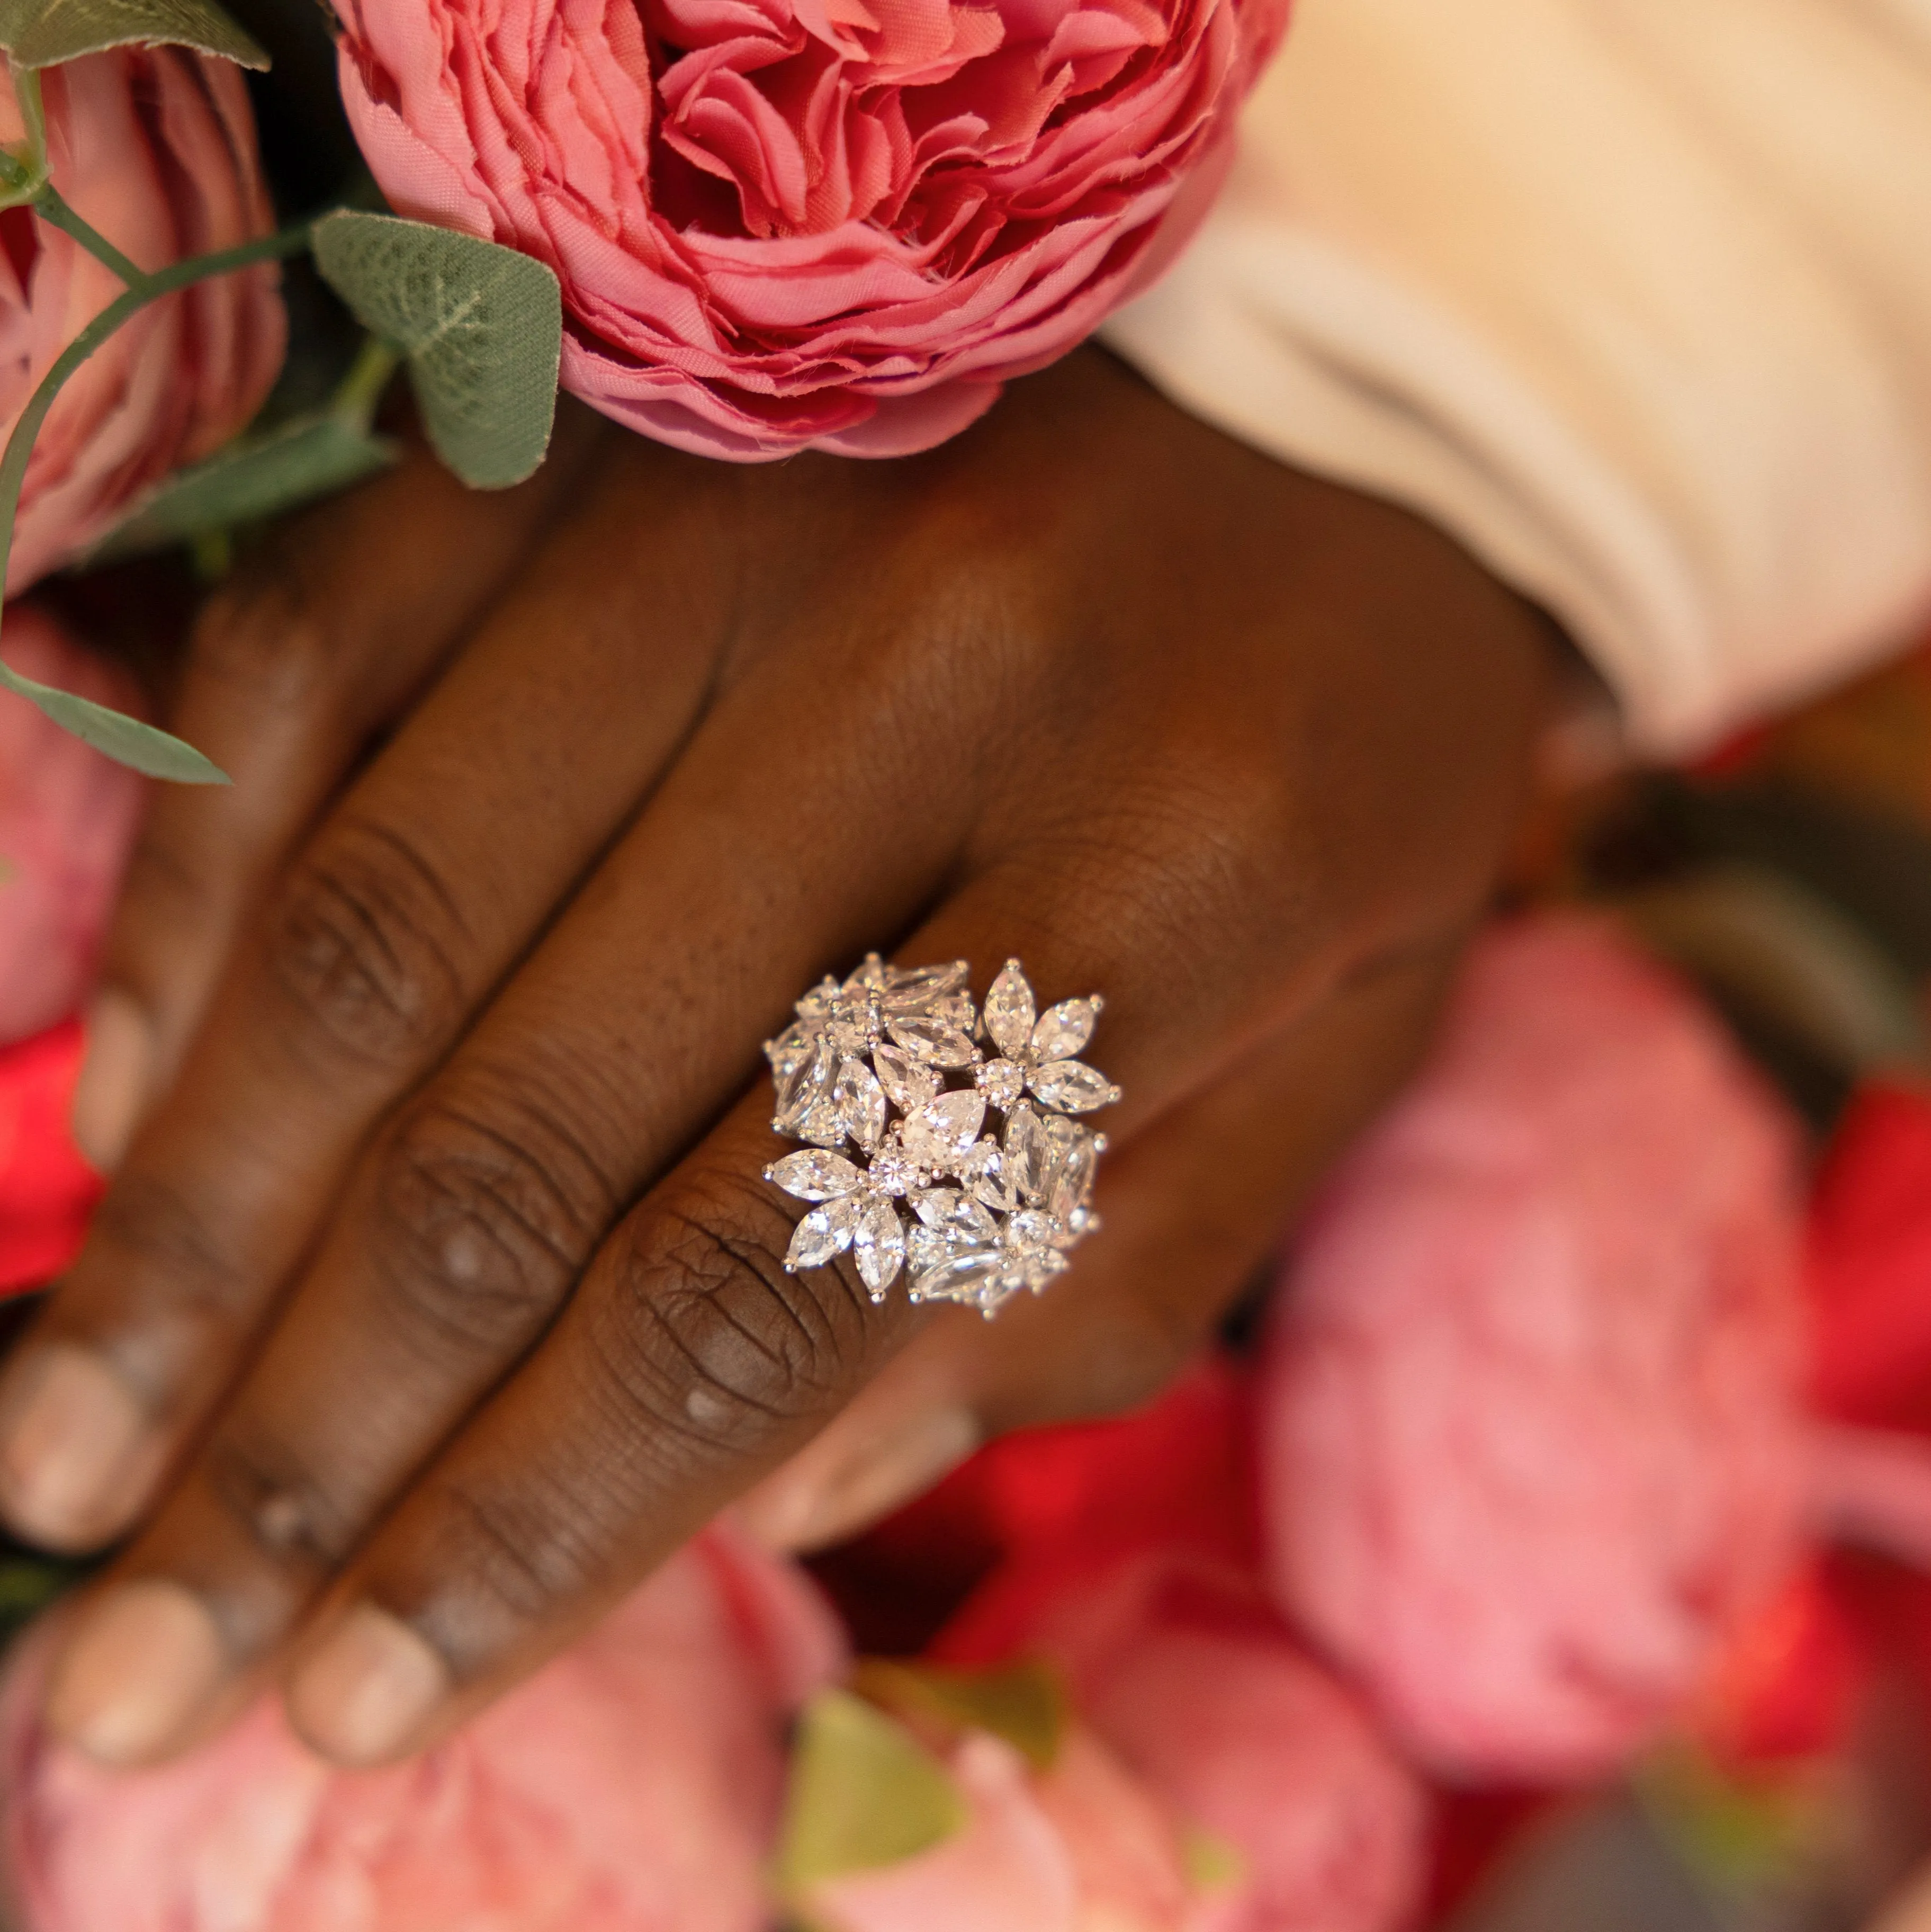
(72, 1428)
(144, 1662)
(807, 1505)
(366, 1695)
(113, 1082)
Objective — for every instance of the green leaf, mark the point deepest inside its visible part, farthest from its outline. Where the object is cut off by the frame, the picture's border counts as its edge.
(305, 458)
(482, 327)
(1024, 1703)
(864, 1792)
(42, 33)
(127, 740)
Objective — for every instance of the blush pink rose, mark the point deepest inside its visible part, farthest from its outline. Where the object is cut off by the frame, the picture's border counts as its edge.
(156, 148)
(1176, 1663)
(633, 1786)
(1533, 1441)
(838, 224)
(67, 816)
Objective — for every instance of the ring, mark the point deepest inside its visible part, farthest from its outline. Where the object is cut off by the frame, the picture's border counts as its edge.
(887, 1079)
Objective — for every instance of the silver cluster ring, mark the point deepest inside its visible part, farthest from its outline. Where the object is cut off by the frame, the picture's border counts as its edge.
(889, 1078)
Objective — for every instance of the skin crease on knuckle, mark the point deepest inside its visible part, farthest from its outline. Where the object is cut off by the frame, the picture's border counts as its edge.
(482, 1216)
(362, 940)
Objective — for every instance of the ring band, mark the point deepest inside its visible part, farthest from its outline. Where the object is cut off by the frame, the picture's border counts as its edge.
(887, 1079)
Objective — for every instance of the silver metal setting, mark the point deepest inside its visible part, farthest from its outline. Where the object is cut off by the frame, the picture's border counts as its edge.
(888, 1079)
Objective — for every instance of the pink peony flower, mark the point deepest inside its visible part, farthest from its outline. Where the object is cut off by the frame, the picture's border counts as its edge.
(156, 147)
(630, 1787)
(1532, 1437)
(67, 816)
(1179, 1667)
(839, 224)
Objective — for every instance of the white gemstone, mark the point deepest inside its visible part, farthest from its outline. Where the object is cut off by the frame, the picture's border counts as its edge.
(860, 1101)
(956, 1216)
(983, 1170)
(926, 1247)
(892, 1172)
(794, 1044)
(958, 1277)
(1031, 1228)
(1072, 1087)
(1009, 1011)
(956, 1010)
(1027, 1153)
(1073, 1182)
(908, 1083)
(806, 1088)
(815, 1175)
(818, 1002)
(1063, 1030)
(937, 1134)
(934, 1042)
(878, 1245)
(870, 977)
(915, 990)
(1002, 1082)
(824, 1232)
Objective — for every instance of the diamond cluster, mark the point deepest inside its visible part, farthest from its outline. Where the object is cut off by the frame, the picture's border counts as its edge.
(889, 1079)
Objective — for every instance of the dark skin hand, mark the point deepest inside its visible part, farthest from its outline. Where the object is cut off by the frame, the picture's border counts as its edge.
(438, 1295)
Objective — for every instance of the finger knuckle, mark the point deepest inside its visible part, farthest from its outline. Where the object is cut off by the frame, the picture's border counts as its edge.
(364, 941)
(163, 1241)
(263, 636)
(479, 1228)
(712, 1340)
(286, 1516)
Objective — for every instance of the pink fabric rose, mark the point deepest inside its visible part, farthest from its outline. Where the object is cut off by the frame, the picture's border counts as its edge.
(67, 816)
(1179, 1667)
(630, 1787)
(1532, 1437)
(839, 224)
(156, 147)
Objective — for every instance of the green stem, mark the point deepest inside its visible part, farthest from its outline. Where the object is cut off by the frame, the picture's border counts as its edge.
(359, 391)
(52, 209)
(145, 289)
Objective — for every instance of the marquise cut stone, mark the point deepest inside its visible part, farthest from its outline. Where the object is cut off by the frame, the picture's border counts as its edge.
(1027, 1153)
(1072, 1087)
(824, 1233)
(908, 1083)
(934, 1041)
(1063, 1030)
(860, 1101)
(878, 1245)
(958, 1277)
(1009, 1011)
(815, 1175)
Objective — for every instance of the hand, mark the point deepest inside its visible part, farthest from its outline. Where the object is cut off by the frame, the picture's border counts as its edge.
(438, 1295)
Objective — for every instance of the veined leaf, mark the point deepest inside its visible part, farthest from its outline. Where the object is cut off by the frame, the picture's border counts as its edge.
(482, 327)
(254, 477)
(153, 753)
(864, 1792)
(43, 33)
